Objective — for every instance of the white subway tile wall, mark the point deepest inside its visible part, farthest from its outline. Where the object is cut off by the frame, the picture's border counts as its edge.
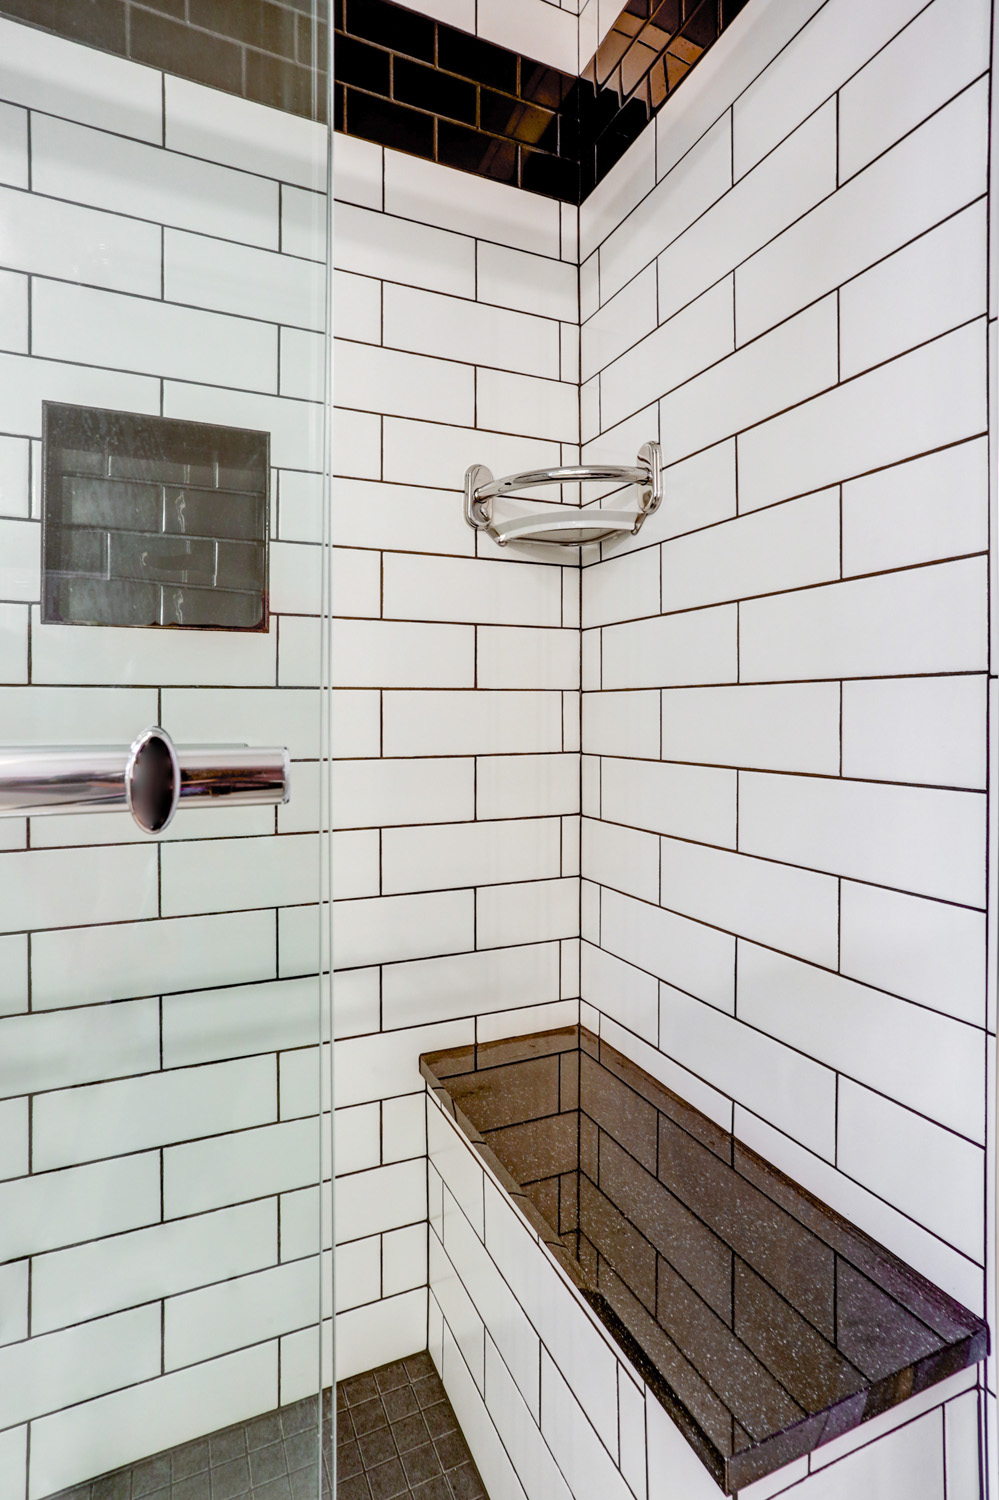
(785, 673)
(145, 1146)
(460, 686)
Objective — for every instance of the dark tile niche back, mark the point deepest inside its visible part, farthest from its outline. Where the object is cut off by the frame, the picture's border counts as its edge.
(148, 521)
(408, 82)
(270, 51)
(764, 1322)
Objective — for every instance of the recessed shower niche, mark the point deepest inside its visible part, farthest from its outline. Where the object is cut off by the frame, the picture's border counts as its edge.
(151, 521)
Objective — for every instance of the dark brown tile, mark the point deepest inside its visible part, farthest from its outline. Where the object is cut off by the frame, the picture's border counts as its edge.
(439, 1418)
(165, 43)
(355, 1488)
(389, 124)
(390, 1377)
(421, 1463)
(101, 23)
(256, 22)
(376, 1447)
(285, 85)
(387, 1481)
(410, 1432)
(401, 1402)
(368, 1416)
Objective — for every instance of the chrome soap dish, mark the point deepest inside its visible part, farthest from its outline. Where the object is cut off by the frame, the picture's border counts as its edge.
(565, 525)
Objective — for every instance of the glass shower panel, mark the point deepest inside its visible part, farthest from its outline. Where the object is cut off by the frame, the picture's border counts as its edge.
(165, 1223)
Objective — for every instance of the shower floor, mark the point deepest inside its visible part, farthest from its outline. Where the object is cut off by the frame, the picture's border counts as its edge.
(397, 1439)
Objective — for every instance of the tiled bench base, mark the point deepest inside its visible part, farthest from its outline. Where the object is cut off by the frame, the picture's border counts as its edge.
(397, 1436)
(272, 1457)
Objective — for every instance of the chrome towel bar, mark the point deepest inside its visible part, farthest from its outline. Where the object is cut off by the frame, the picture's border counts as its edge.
(568, 525)
(150, 779)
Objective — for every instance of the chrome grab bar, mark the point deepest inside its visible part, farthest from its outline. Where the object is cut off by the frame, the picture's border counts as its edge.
(150, 779)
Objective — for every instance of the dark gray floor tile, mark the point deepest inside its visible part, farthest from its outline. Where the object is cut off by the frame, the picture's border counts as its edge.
(198, 1487)
(227, 1445)
(387, 1480)
(267, 1463)
(360, 1388)
(439, 1418)
(348, 1461)
(353, 1489)
(190, 1458)
(300, 1449)
(303, 1483)
(376, 1447)
(274, 1489)
(78, 1492)
(391, 1376)
(152, 1475)
(419, 1365)
(434, 1489)
(410, 1432)
(113, 1486)
(465, 1483)
(429, 1390)
(299, 1416)
(264, 1430)
(400, 1402)
(368, 1416)
(452, 1449)
(421, 1463)
(230, 1480)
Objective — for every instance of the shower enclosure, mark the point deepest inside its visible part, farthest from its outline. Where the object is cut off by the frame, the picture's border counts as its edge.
(165, 1221)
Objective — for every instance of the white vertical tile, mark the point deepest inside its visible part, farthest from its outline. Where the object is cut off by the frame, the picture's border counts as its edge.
(927, 399)
(122, 1427)
(357, 171)
(874, 110)
(919, 511)
(913, 1055)
(591, 1471)
(933, 285)
(920, 620)
(217, 126)
(686, 953)
(925, 729)
(924, 950)
(54, 1370)
(695, 647)
(918, 839)
(13, 145)
(15, 497)
(50, 74)
(879, 1143)
(811, 67)
(962, 1446)
(13, 643)
(792, 1092)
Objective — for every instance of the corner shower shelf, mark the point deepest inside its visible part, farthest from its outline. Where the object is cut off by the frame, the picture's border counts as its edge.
(764, 1322)
(566, 525)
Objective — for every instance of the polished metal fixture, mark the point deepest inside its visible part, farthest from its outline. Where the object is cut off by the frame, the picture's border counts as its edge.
(150, 779)
(566, 525)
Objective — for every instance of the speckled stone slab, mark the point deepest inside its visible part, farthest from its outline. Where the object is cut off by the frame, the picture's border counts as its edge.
(764, 1322)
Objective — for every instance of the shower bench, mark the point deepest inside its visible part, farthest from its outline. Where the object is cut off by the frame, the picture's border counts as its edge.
(588, 1223)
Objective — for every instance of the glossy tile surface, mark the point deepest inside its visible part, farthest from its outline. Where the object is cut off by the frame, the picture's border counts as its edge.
(419, 85)
(764, 1322)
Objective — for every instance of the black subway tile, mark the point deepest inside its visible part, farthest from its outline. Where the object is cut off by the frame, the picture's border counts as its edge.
(427, 88)
(392, 26)
(471, 57)
(363, 66)
(389, 124)
(474, 151)
(504, 115)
